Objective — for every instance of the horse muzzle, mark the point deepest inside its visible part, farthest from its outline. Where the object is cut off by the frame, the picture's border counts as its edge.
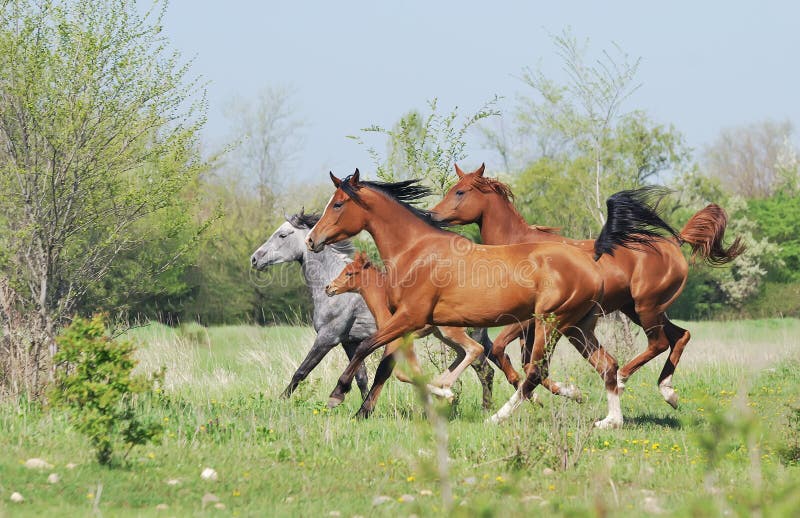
(314, 246)
(330, 290)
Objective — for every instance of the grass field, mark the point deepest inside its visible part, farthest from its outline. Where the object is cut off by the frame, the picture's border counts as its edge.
(731, 447)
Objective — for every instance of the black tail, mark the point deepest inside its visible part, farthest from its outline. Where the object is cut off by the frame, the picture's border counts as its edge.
(633, 221)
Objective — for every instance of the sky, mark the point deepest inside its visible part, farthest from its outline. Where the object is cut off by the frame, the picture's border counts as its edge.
(704, 66)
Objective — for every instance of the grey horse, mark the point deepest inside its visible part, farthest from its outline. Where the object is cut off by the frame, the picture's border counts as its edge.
(344, 319)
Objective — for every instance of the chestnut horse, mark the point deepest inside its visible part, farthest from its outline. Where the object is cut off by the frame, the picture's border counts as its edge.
(441, 278)
(362, 277)
(640, 279)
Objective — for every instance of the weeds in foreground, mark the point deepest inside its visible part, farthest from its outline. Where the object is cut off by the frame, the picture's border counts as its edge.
(95, 384)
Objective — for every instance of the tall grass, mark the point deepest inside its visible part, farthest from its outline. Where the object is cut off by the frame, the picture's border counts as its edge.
(293, 457)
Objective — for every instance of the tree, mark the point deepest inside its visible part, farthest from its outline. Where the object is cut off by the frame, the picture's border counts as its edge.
(425, 147)
(751, 160)
(268, 135)
(578, 145)
(98, 132)
(579, 115)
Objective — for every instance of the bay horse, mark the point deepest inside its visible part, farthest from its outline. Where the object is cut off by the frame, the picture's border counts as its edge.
(440, 278)
(642, 277)
(362, 277)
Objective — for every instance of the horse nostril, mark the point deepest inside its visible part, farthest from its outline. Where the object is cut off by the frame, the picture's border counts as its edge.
(253, 260)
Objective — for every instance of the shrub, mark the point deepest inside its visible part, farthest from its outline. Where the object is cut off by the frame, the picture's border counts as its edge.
(95, 384)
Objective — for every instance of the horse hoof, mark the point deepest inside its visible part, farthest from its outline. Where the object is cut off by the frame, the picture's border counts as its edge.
(609, 423)
(535, 400)
(671, 397)
(334, 401)
(571, 392)
(362, 413)
(493, 419)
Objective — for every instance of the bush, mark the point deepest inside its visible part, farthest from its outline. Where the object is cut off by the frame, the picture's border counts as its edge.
(94, 383)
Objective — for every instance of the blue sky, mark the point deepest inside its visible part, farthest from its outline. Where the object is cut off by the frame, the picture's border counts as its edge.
(349, 64)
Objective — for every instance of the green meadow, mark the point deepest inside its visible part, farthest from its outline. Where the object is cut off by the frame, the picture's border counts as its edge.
(731, 448)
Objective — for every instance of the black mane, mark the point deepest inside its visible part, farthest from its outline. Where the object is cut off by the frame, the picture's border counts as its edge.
(301, 220)
(405, 192)
(633, 221)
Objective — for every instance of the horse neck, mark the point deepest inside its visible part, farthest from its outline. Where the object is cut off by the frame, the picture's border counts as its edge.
(319, 269)
(501, 224)
(394, 228)
(374, 294)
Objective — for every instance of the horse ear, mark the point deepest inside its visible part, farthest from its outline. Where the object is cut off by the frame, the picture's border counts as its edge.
(336, 181)
(355, 178)
(459, 172)
(302, 211)
(481, 170)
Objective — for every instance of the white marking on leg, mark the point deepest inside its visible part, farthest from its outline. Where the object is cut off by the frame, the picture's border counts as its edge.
(670, 396)
(445, 393)
(506, 410)
(571, 392)
(614, 418)
(621, 381)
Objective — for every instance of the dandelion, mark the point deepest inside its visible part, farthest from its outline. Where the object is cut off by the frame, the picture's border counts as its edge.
(166, 419)
(500, 479)
(675, 447)
(551, 487)
(236, 493)
(624, 451)
(410, 478)
(316, 411)
(605, 443)
(151, 455)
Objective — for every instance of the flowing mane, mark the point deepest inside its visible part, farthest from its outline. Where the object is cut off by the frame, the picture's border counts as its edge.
(405, 192)
(301, 220)
(487, 185)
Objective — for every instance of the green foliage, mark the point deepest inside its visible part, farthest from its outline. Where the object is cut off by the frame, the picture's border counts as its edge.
(98, 155)
(778, 219)
(425, 146)
(94, 382)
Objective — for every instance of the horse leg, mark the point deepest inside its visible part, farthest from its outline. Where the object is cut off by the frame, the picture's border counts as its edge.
(361, 374)
(583, 338)
(499, 356)
(557, 388)
(678, 338)
(482, 369)
(532, 379)
(458, 339)
(384, 371)
(398, 325)
(657, 342)
(382, 374)
(323, 344)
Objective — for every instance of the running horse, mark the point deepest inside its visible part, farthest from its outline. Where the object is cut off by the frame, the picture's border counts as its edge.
(362, 277)
(440, 278)
(642, 278)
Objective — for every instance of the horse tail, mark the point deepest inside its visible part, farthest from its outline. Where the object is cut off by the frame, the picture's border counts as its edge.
(633, 221)
(705, 231)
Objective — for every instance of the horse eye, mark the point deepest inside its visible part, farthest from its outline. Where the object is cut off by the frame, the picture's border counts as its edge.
(282, 235)
(349, 274)
(337, 205)
(459, 193)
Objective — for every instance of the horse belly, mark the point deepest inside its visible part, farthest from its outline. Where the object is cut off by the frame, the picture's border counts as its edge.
(492, 307)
